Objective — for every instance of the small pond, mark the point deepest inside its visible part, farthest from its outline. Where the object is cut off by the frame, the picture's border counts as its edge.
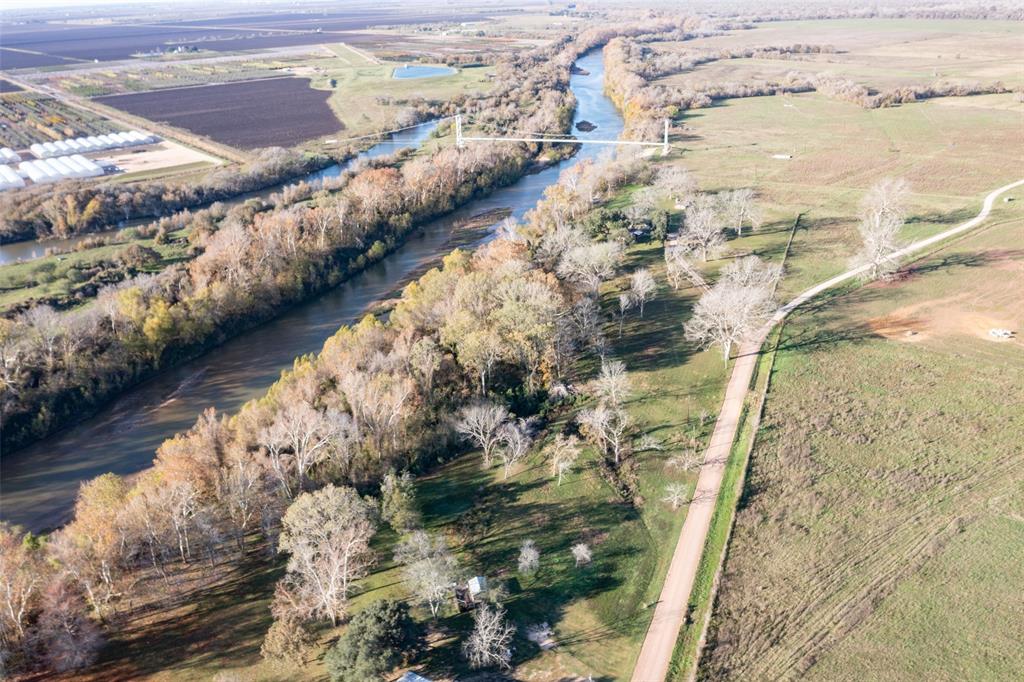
(415, 71)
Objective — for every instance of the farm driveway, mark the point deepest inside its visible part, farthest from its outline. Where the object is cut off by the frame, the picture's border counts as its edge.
(656, 653)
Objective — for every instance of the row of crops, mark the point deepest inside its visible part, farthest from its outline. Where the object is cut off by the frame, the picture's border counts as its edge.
(27, 118)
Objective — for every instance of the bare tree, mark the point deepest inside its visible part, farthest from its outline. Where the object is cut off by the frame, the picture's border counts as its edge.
(677, 184)
(728, 314)
(882, 217)
(563, 451)
(45, 328)
(607, 426)
(430, 568)
(751, 271)
(642, 287)
(516, 442)
(739, 207)
(70, 639)
(704, 226)
(591, 264)
(490, 643)
(679, 269)
(482, 424)
(675, 495)
(612, 386)
(625, 303)
(327, 534)
(300, 438)
(529, 557)
(581, 553)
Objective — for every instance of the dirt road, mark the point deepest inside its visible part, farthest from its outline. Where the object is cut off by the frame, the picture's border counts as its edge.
(656, 653)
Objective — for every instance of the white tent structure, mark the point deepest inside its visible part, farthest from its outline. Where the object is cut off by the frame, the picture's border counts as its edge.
(9, 179)
(8, 155)
(93, 143)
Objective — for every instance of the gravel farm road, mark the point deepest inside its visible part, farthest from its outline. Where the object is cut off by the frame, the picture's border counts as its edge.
(659, 643)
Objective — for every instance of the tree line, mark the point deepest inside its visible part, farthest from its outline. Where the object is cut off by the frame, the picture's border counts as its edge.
(71, 208)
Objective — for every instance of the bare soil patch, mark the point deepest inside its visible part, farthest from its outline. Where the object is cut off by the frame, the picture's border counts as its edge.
(251, 114)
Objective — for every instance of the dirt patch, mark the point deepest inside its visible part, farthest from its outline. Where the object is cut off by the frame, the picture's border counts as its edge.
(900, 328)
(941, 318)
(166, 154)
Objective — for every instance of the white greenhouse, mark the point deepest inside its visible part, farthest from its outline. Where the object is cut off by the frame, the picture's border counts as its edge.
(8, 155)
(9, 179)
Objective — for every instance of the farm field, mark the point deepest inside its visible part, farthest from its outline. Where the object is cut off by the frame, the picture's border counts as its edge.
(248, 115)
(157, 75)
(61, 44)
(875, 52)
(29, 117)
(882, 510)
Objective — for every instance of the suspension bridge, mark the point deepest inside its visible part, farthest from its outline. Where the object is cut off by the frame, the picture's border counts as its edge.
(551, 138)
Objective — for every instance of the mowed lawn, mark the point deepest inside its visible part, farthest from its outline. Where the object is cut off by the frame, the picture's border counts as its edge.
(881, 529)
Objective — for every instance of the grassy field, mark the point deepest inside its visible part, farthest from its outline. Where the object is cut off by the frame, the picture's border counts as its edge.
(59, 274)
(952, 151)
(881, 516)
(878, 53)
(365, 96)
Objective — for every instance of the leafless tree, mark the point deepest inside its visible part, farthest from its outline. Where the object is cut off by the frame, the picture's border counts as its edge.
(613, 386)
(430, 568)
(680, 269)
(515, 444)
(675, 495)
(642, 287)
(490, 643)
(300, 438)
(529, 557)
(882, 217)
(563, 451)
(751, 271)
(45, 328)
(625, 303)
(69, 638)
(728, 314)
(739, 207)
(591, 264)
(607, 426)
(327, 534)
(677, 183)
(703, 226)
(581, 553)
(482, 424)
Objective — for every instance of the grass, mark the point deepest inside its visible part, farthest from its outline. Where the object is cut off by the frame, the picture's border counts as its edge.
(56, 275)
(875, 530)
(878, 53)
(155, 173)
(366, 98)
(951, 151)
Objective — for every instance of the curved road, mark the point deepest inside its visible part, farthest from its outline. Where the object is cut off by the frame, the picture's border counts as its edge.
(656, 653)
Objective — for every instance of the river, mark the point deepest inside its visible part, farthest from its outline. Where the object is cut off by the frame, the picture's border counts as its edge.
(38, 483)
(32, 249)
